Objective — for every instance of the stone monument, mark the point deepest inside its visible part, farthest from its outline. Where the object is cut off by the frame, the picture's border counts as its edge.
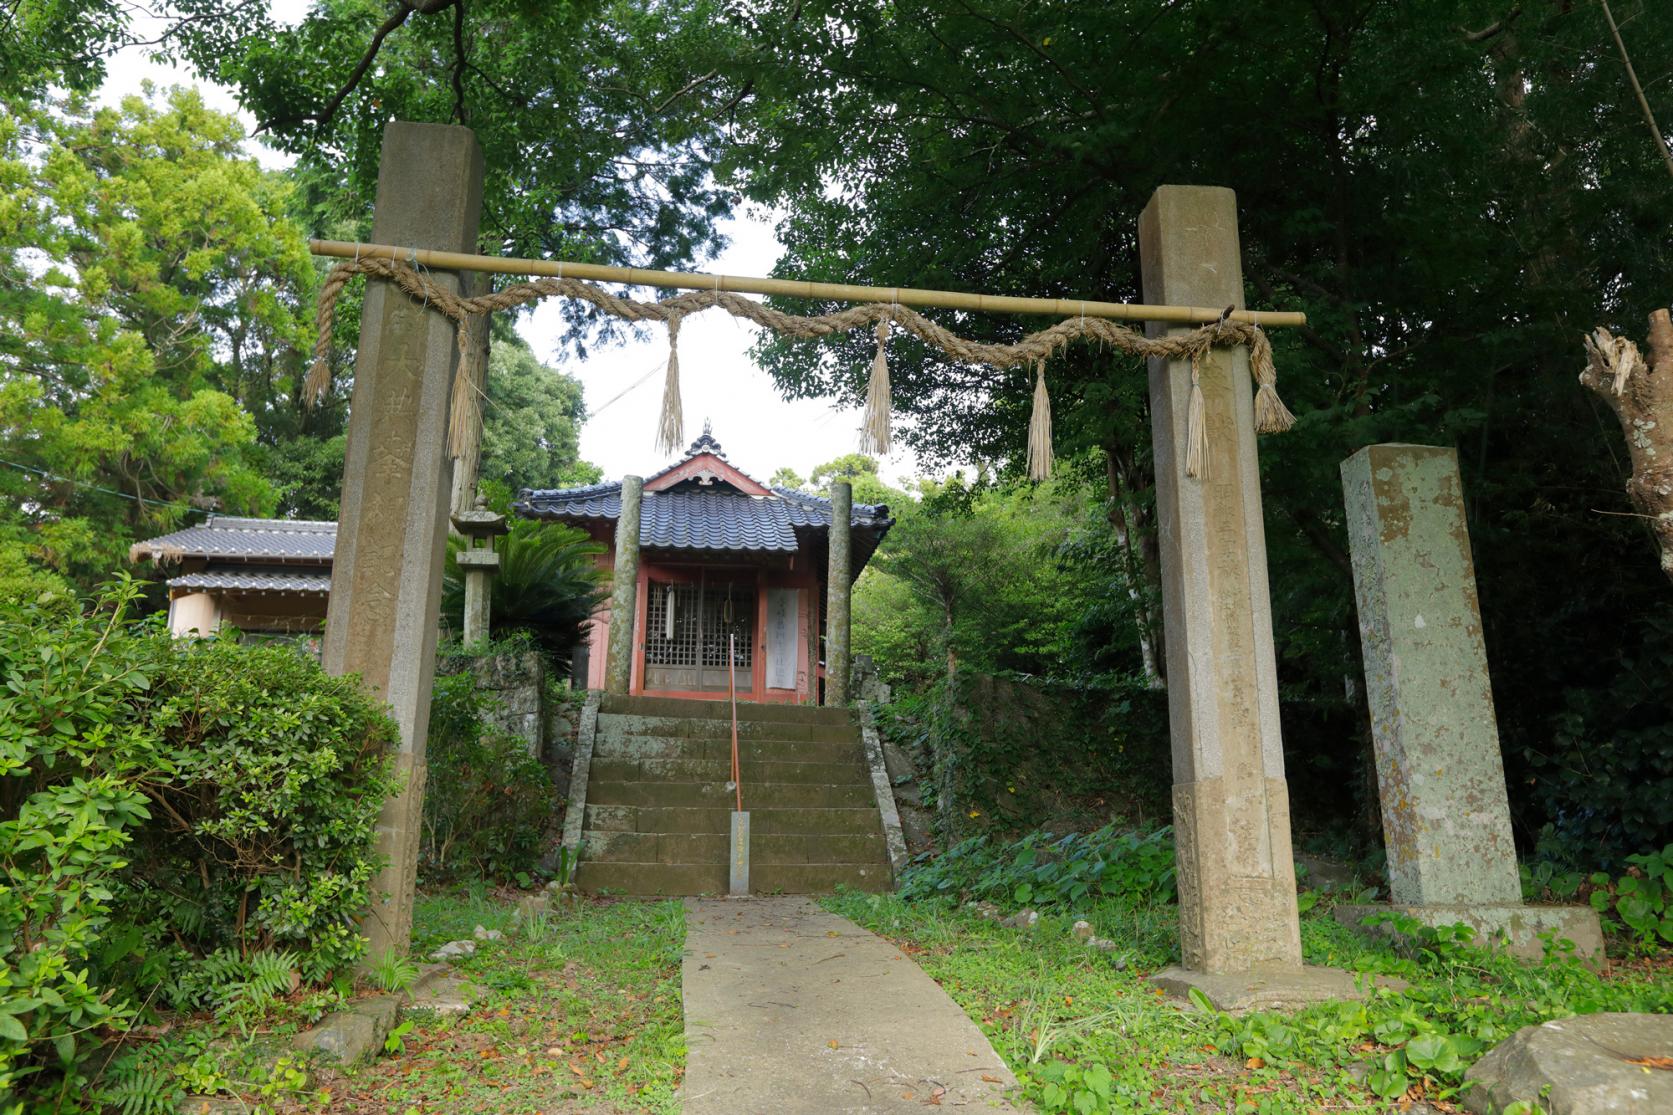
(1446, 815)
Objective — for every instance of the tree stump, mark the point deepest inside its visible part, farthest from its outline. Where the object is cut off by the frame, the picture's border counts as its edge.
(1641, 395)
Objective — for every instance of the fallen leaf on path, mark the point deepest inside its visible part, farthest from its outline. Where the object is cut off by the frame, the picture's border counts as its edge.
(1254, 1063)
(990, 1079)
(833, 1044)
(1652, 1062)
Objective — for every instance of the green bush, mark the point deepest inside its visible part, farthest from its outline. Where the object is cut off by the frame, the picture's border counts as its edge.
(1045, 871)
(168, 811)
(487, 801)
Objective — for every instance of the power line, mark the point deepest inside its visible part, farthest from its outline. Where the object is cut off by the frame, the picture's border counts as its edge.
(96, 488)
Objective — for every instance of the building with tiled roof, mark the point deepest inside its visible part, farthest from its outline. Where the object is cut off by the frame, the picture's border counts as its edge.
(725, 561)
(263, 576)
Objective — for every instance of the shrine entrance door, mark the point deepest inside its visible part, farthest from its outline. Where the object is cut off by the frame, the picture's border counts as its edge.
(690, 619)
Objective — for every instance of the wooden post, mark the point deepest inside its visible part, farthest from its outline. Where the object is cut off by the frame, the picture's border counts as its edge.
(624, 593)
(1237, 900)
(392, 529)
(840, 586)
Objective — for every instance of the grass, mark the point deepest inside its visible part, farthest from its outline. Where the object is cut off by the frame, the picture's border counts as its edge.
(1085, 1033)
(580, 1011)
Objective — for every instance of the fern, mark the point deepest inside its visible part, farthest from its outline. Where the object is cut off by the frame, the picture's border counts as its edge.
(272, 973)
(140, 1089)
(394, 972)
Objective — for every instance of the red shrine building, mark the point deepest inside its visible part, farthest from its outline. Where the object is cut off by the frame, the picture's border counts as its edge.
(732, 578)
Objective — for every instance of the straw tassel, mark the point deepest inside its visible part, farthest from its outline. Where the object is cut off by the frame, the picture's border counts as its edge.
(1196, 427)
(314, 388)
(875, 436)
(1271, 415)
(464, 420)
(1039, 428)
(670, 433)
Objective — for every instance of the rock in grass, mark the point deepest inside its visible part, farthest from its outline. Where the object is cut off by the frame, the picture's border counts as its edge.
(532, 906)
(455, 949)
(484, 934)
(1022, 919)
(1083, 930)
(1579, 1066)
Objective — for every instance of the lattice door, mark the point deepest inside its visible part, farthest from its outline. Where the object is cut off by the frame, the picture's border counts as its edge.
(686, 630)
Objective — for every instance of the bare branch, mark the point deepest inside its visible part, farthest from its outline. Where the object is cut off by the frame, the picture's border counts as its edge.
(1493, 30)
(393, 21)
(459, 61)
(1637, 89)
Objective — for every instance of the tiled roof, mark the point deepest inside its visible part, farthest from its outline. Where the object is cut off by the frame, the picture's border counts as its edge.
(239, 581)
(254, 539)
(720, 520)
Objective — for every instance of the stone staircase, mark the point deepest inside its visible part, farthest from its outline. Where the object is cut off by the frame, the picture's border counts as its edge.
(657, 804)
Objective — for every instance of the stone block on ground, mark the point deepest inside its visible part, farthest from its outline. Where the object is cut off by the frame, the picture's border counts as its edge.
(1266, 988)
(532, 906)
(439, 991)
(455, 950)
(1517, 929)
(355, 1031)
(1592, 1065)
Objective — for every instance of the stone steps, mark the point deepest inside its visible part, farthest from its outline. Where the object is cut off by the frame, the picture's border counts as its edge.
(658, 807)
(717, 819)
(613, 726)
(764, 848)
(720, 748)
(748, 712)
(753, 772)
(711, 878)
(765, 795)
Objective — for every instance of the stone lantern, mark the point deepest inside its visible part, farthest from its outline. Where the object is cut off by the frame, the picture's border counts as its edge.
(478, 562)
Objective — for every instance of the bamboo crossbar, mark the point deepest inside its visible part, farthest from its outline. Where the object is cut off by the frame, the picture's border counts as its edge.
(794, 288)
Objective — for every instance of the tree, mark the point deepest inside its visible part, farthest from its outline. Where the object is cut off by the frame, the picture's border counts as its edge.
(154, 296)
(787, 477)
(531, 426)
(597, 119)
(1453, 193)
(548, 583)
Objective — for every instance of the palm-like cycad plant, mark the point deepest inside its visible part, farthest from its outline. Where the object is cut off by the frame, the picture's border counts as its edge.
(548, 584)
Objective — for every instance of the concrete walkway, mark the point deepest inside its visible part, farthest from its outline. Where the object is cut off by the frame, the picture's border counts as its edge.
(791, 1009)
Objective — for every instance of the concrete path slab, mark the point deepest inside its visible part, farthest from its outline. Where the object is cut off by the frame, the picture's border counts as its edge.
(791, 1009)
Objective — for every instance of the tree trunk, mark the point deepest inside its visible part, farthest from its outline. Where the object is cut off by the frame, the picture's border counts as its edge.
(1641, 395)
(1142, 573)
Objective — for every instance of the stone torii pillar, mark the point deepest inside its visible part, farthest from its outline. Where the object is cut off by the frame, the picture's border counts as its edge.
(1239, 931)
(624, 590)
(479, 562)
(839, 586)
(1440, 776)
(397, 478)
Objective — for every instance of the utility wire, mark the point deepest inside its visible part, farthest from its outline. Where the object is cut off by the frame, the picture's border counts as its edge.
(96, 488)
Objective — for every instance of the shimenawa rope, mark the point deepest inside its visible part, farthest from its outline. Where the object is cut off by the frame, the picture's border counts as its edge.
(1271, 416)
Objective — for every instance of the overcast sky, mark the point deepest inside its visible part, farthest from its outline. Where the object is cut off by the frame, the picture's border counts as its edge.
(759, 430)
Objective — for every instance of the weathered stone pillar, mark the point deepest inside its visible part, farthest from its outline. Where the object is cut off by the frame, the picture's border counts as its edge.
(479, 562)
(1237, 900)
(392, 529)
(624, 592)
(1446, 814)
(839, 586)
